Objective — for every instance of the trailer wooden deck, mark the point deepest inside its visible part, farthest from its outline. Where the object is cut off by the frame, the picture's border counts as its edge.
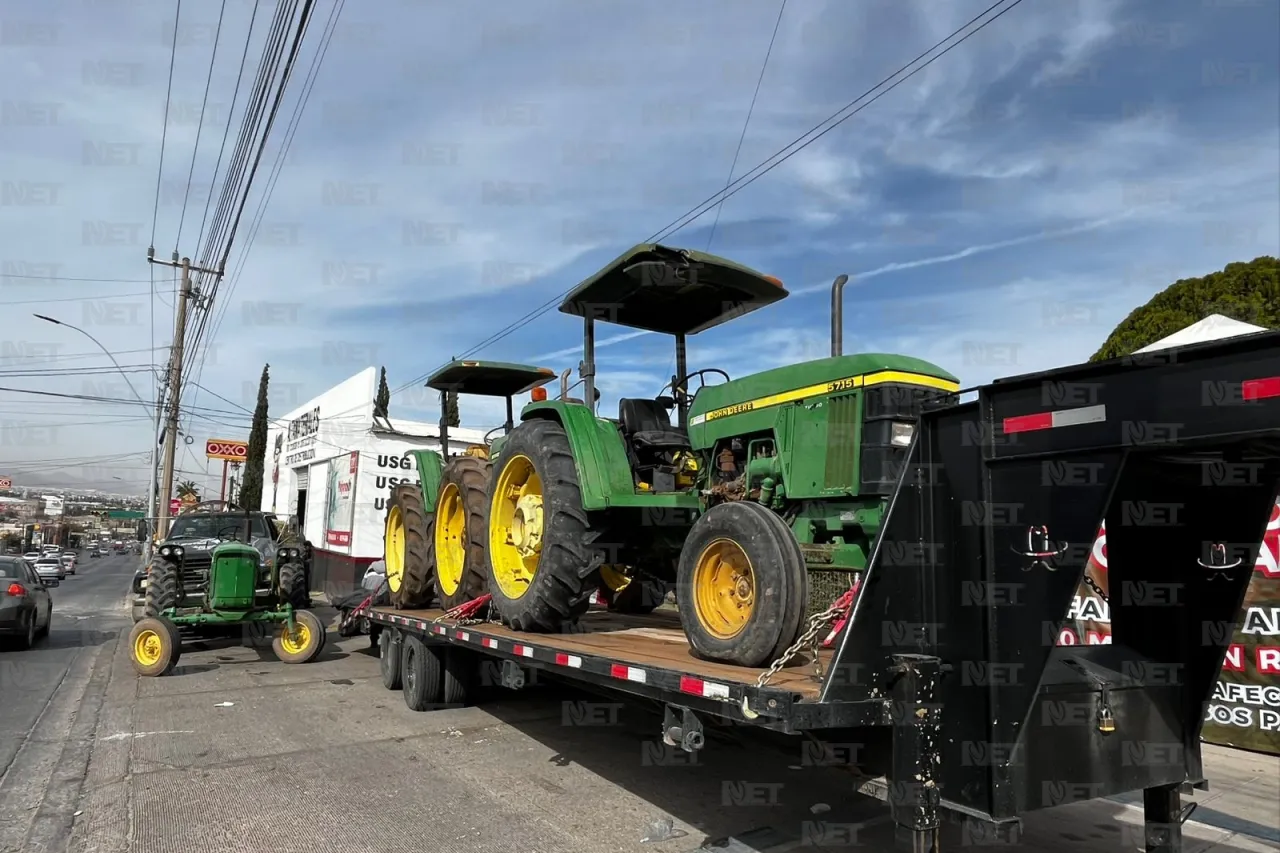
(653, 641)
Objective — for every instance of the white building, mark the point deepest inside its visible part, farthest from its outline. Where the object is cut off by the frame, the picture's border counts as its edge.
(331, 465)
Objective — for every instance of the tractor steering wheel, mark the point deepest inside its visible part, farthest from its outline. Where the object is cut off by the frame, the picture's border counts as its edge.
(683, 391)
(488, 440)
(235, 533)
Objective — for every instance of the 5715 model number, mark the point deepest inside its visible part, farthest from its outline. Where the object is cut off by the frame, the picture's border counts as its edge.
(841, 385)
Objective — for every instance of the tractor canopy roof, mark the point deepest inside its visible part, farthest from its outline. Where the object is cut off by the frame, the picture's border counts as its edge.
(489, 378)
(672, 291)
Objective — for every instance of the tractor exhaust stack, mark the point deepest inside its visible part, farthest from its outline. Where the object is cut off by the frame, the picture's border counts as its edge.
(837, 315)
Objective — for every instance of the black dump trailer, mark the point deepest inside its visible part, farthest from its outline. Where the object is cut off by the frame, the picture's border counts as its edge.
(947, 667)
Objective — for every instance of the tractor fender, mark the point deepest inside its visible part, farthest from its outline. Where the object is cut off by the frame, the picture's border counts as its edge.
(430, 467)
(598, 450)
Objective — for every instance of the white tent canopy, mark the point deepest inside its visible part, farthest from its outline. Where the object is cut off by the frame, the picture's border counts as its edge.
(1215, 327)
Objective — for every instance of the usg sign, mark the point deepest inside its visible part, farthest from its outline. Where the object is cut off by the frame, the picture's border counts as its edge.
(221, 448)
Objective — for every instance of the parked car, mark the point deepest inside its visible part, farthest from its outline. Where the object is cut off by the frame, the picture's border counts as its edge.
(26, 608)
(31, 556)
(69, 561)
(51, 567)
(94, 552)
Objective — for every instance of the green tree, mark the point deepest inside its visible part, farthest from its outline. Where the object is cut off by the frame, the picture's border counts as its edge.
(188, 487)
(382, 400)
(251, 485)
(1244, 291)
(451, 416)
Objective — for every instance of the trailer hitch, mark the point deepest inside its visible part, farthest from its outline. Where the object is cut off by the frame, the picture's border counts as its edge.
(684, 731)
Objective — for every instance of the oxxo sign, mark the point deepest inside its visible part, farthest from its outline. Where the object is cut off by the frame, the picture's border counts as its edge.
(222, 448)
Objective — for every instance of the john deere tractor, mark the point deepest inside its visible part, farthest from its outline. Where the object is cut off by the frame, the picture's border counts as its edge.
(761, 501)
(237, 585)
(434, 540)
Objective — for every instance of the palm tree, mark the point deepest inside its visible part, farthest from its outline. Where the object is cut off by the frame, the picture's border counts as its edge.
(187, 489)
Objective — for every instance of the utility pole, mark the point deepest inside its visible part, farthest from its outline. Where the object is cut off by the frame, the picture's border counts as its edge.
(175, 385)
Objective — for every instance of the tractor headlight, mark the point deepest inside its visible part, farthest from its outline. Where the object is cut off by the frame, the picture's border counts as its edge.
(178, 552)
(166, 551)
(287, 554)
(900, 434)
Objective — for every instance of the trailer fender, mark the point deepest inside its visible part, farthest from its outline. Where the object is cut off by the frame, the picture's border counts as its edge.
(430, 470)
(598, 451)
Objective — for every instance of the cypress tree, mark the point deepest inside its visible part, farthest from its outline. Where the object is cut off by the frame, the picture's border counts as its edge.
(382, 400)
(251, 485)
(451, 410)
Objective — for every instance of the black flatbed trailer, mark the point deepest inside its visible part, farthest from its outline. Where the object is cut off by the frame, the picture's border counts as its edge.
(947, 668)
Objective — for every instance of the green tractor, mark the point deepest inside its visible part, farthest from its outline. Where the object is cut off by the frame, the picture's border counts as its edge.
(434, 538)
(233, 590)
(760, 503)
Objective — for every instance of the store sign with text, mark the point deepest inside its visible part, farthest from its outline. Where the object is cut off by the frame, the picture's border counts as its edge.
(1244, 710)
(228, 449)
(340, 517)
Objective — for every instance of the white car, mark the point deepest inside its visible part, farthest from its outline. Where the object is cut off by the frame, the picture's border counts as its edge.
(50, 567)
(69, 562)
(31, 556)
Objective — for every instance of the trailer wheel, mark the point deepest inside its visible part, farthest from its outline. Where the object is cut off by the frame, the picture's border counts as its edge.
(459, 536)
(293, 586)
(410, 572)
(423, 674)
(741, 585)
(460, 669)
(164, 590)
(624, 594)
(541, 566)
(390, 643)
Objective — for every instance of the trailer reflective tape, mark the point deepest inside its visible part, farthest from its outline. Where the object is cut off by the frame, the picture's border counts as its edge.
(440, 629)
(848, 383)
(628, 673)
(524, 651)
(463, 636)
(1060, 418)
(568, 660)
(489, 643)
(1261, 389)
(698, 687)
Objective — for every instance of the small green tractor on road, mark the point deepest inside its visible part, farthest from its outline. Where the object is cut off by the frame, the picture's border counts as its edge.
(435, 528)
(760, 503)
(221, 575)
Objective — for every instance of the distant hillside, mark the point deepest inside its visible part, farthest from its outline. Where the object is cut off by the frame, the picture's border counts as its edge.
(1248, 292)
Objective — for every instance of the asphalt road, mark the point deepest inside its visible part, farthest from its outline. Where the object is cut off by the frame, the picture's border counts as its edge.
(50, 696)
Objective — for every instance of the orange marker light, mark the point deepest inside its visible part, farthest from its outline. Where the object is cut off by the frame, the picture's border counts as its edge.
(538, 394)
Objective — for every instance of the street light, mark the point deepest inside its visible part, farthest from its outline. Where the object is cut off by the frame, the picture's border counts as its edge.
(151, 487)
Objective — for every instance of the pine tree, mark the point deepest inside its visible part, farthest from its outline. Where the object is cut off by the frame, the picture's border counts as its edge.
(451, 416)
(382, 401)
(251, 485)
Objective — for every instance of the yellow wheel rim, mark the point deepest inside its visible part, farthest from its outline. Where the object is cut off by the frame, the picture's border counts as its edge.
(393, 544)
(724, 589)
(148, 648)
(515, 527)
(614, 579)
(298, 640)
(450, 534)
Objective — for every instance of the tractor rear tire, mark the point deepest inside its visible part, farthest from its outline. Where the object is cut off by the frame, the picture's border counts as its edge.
(557, 589)
(164, 589)
(749, 552)
(293, 586)
(458, 540)
(390, 644)
(415, 586)
(423, 678)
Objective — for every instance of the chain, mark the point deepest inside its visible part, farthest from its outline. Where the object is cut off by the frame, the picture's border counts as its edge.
(1097, 590)
(808, 640)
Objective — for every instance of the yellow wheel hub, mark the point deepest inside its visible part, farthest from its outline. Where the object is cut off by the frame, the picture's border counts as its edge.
(450, 536)
(394, 548)
(515, 526)
(298, 640)
(148, 648)
(724, 589)
(614, 579)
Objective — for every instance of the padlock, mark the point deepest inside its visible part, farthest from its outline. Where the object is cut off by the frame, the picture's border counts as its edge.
(1106, 720)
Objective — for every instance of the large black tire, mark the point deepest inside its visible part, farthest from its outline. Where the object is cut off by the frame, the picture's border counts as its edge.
(416, 587)
(461, 668)
(164, 590)
(567, 568)
(778, 583)
(467, 477)
(423, 673)
(293, 586)
(389, 646)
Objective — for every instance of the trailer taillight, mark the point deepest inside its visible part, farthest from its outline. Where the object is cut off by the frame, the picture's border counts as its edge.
(1261, 389)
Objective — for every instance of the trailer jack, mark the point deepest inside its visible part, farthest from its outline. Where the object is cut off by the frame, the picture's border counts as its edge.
(684, 731)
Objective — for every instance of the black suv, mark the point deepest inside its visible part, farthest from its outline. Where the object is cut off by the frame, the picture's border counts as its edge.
(194, 534)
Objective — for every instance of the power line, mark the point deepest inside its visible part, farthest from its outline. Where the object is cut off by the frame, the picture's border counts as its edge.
(4, 275)
(195, 149)
(72, 298)
(164, 130)
(750, 177)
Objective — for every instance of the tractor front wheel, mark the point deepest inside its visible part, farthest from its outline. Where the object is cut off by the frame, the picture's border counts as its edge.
(458, 541)
(164, 589)
(154, 646)
(741, 587)
(541, 566)
(410, 570)
(303, 642)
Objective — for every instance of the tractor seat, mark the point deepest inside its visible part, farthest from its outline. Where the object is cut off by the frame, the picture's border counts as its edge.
(647, 425)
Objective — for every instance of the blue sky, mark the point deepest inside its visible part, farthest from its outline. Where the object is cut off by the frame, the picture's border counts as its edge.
(458, 165)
